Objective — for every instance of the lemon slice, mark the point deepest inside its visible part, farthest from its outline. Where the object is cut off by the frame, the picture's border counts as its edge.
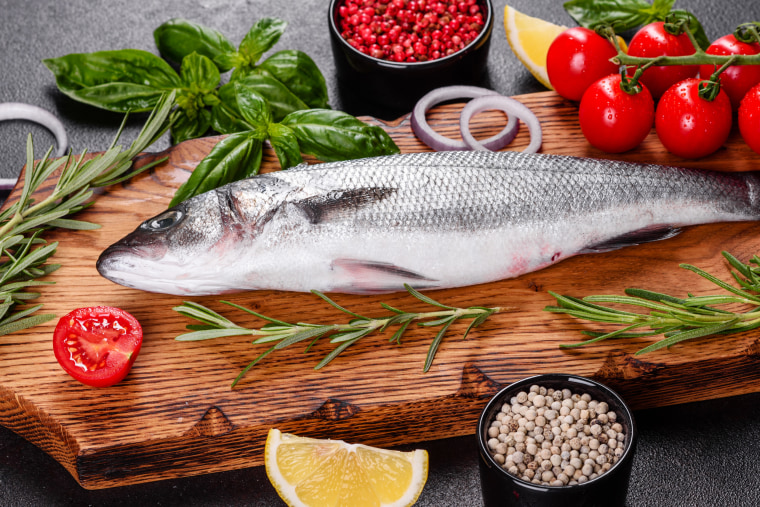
(313, 472)
(530, 39)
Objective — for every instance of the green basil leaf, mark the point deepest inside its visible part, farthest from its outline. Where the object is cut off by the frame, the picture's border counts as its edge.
(226, 117)
(199, 73)
(178, 38)
(298, 72)
(622, 15)
(190, 125)
(254, 109)
(281, 100)
(229, 60)
(661, 8)
(235, 157)
(334, 135)
(260, 38)
(121, 80)
(199, 77)
(285, 145)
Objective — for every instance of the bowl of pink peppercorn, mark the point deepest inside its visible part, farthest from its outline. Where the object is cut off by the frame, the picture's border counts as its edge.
(389, 53)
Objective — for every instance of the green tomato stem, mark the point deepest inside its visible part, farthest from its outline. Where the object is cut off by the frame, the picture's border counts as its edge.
(698, 58)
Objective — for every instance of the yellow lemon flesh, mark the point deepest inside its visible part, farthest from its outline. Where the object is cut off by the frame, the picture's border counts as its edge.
(313, 472)
(530, 39)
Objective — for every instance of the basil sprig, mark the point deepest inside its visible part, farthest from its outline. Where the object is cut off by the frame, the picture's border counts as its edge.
(132, 80)
(294, 71)
(624, 15)
(282, 100)
(326, 134)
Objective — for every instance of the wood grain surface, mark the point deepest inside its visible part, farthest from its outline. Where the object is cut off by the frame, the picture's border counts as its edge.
(176, 415)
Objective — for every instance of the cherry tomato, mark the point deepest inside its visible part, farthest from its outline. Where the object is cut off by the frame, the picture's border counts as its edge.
(97, 345)
(613, 120)
(653, 41)
(737, 79)
(690, 126)
(749, 118)
(576, 59)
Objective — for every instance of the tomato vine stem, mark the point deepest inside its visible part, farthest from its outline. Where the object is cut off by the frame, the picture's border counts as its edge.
(747, 32)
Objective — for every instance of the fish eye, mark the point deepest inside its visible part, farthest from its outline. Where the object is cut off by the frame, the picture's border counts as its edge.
(164, 221)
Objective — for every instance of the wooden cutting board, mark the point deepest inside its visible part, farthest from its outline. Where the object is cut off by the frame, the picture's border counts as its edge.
(176, 415)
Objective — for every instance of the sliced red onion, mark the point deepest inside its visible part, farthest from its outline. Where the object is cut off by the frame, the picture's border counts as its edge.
(438, 142)
(510, 106)
(19, 111)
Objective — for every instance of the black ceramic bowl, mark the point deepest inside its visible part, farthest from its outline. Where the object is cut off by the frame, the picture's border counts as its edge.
(396, 87)
(608, 489)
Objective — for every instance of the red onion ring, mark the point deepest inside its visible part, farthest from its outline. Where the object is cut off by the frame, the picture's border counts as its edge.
(28, 112)
(438, 142)
(510, 106)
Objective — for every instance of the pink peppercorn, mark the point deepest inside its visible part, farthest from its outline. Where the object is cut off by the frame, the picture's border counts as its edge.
(409, 30)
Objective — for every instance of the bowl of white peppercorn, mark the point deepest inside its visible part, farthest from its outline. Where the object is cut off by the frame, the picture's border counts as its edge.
(556, 440)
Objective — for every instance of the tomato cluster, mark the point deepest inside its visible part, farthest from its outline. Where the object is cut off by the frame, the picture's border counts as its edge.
(616, 115)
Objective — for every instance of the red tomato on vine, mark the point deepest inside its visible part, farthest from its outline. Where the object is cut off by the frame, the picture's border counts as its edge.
(690, 126)
(576, 59)
(653, 41)
(749, 118)
(614, 120)
(736, 80)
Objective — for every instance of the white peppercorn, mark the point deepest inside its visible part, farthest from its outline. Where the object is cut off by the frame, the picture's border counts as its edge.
(555, 437)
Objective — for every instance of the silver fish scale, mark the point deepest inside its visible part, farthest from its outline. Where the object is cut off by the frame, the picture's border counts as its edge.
(461, 190)
(434, 220)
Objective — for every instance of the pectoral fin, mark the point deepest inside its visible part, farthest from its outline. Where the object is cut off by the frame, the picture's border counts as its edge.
(372, 277)
(339, 203)
(632, 238)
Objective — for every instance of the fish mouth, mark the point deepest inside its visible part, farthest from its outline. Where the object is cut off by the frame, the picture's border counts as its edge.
(124, 258)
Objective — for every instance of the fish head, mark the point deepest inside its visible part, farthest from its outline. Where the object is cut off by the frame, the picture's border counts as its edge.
(170, 253)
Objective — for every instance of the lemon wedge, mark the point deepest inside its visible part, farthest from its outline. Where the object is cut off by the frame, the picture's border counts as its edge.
(530, 39)
(313, 472)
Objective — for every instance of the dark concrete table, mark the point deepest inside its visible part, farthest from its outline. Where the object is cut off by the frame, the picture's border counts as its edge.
(697, 454)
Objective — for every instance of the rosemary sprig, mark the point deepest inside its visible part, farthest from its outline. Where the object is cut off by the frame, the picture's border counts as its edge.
(677, 319)
(23, 253)
(344, 335)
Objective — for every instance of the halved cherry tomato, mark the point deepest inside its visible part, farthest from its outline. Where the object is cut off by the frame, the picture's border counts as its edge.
(737, 79)
(653, 41)
(749, 118)
(690, 126)
(97, 345)
(576, 59)
(613, 120)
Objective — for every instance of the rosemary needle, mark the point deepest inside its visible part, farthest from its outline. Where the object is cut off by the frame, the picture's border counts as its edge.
(676, 319)
(23, 252)
(284, 334)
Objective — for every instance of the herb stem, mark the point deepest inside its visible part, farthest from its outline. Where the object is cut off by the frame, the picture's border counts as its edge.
(675, 318)
(285, 334)
(22, 259)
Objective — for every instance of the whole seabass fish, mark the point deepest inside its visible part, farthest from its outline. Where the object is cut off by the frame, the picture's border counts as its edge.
(432, 220)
